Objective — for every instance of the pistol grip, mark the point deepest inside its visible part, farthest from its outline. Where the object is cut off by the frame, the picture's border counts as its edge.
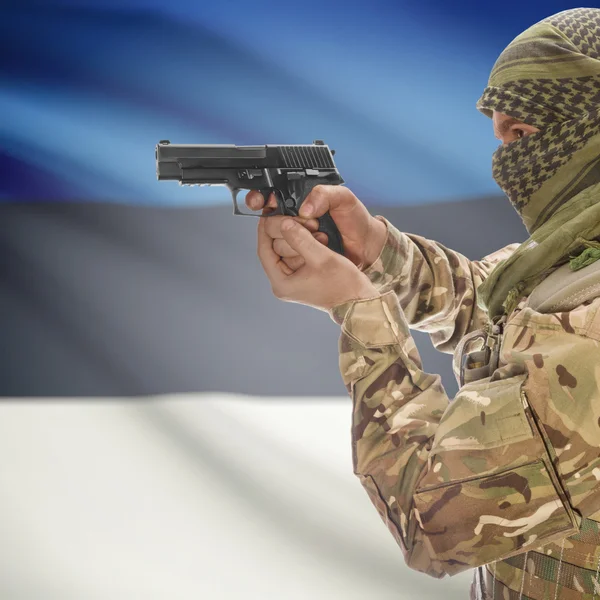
(327, 225)
(290, 207)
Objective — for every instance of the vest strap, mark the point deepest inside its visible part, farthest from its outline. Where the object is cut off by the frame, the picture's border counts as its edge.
(573, 564)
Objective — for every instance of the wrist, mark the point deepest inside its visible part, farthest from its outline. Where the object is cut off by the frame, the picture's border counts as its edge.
(339, 310)
(376, 240)
(365, 291)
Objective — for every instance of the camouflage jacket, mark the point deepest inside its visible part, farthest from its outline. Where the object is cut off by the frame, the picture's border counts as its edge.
(513, 461)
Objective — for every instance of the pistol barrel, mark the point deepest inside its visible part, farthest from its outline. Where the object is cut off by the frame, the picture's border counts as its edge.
(173, 159)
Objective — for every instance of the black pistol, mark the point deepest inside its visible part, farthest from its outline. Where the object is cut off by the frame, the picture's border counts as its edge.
(290, 172)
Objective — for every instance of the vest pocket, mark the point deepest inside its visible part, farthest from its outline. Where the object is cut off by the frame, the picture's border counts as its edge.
(484, 414)
(477, 520)
(490, 490)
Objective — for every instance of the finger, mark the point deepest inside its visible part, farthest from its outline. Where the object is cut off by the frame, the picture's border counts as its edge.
(269, 208)
(324, 198)
(311, 224)
(273, 225)
(254, 200)
(294, 263)
(321, 237)
(271, 205)
(302, 241)
(270, 261)
(283, 249)
(287, 269)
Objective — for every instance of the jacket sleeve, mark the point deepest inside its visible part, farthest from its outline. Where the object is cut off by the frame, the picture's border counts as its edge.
(436, 286)
(460, 484)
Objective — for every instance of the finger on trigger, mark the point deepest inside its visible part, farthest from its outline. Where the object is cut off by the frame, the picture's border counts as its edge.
(321, 237)
(254, 200)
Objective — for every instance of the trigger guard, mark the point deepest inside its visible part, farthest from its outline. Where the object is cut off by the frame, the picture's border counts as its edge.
(236, 209)
(280, 210)
(234, 195)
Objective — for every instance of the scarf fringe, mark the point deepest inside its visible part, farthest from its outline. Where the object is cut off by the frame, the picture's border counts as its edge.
(512, 298)
(589, 256)
(571, 236)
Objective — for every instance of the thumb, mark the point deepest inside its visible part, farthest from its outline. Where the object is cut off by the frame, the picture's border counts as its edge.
(302, 241)
(325, 198)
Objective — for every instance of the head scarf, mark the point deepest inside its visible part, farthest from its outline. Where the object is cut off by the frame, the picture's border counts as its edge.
(548, 77)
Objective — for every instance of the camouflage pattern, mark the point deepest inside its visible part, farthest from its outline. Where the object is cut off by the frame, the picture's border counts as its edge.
(505, 474)
(538, 572)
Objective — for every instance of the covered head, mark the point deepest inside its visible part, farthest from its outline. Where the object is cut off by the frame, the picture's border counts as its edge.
(549, 77)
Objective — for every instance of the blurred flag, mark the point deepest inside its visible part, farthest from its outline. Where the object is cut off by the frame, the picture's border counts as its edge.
(236, 480)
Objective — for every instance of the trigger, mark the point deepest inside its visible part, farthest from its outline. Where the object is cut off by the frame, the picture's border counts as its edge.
(266, 194)
(274, 206)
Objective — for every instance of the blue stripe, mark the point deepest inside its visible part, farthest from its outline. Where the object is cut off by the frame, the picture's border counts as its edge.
(89, 89)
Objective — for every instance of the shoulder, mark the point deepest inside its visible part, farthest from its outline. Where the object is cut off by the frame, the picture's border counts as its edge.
(583, 320)
(501, 254)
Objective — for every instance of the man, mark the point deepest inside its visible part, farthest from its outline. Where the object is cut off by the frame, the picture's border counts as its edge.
(505, 476)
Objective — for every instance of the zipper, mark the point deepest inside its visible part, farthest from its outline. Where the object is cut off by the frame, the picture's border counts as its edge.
(533, 422)
(555, 480)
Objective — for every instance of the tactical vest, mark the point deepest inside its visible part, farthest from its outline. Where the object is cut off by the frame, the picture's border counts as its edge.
(568, 570)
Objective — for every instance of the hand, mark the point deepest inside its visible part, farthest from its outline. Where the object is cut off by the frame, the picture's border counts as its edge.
(363, 235)
(323, 281)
